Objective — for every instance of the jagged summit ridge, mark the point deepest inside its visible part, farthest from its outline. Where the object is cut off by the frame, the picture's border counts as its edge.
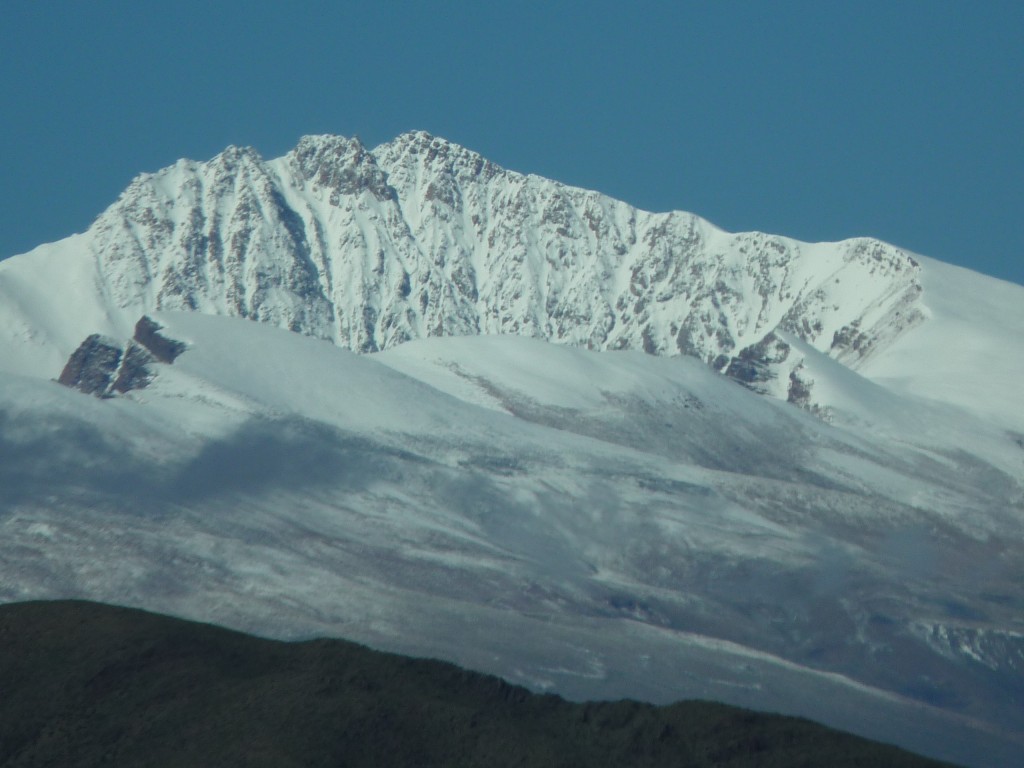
(421, 237)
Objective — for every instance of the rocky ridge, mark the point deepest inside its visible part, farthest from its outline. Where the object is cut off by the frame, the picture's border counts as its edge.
(421, 237)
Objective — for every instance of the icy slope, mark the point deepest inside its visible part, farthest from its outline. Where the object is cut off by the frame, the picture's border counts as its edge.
(970, 352)
(420, 237)
(597, 524)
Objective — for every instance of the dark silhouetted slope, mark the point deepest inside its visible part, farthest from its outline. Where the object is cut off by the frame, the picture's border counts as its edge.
(87, 684)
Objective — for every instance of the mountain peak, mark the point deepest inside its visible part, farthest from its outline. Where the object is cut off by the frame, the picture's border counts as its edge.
(422, 237)
(341, 165)
(233, 154)
(420, 148)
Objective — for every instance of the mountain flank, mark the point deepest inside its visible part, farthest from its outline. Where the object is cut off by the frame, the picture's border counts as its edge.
(88, 684)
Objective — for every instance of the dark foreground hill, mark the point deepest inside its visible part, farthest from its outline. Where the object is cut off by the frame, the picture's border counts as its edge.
(85, 684)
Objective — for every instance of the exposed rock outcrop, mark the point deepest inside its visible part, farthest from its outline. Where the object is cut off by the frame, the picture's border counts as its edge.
(104, 367)
(755, 365)
(147, 333)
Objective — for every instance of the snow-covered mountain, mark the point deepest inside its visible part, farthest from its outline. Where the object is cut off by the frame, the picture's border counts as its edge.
(420, 237)
(577, 516)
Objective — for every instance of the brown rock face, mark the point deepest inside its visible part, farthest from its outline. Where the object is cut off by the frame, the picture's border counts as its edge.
(105, 367)
(93, 367)
(147, 333)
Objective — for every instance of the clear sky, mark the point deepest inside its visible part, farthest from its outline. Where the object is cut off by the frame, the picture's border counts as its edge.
(819, 120)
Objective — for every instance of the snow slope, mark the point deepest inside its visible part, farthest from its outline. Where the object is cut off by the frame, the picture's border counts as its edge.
(969, 352)
(599, 524)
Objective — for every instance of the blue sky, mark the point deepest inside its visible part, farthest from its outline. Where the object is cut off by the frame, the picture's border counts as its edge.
(818, 120)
